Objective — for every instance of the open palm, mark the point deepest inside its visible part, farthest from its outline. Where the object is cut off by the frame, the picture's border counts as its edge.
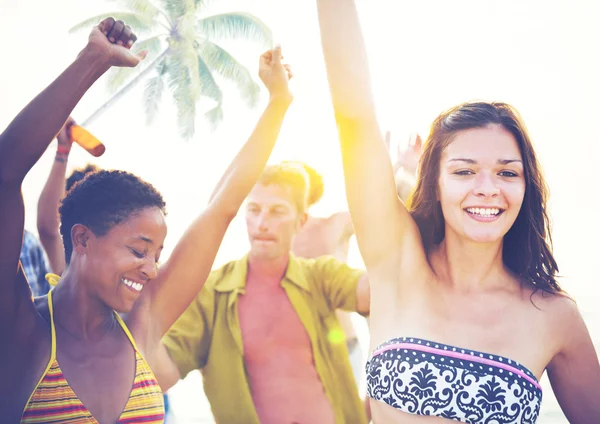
(408, 157)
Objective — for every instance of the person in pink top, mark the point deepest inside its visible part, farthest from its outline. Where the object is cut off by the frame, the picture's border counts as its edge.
(264, 330)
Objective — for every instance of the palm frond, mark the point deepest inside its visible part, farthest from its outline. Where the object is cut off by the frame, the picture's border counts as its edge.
(177, 8)
(186, 56)
(201, 4)
(186, 119)
(148, 8)
(214, 116)
(137, 21)
(208, 85)
(152, 96)
(222, 62)
(127, 87)
(184, 30)
(194, 71)
(118, 76)
(176, 71)
(178, 79)
(237, 25)
(152, 44)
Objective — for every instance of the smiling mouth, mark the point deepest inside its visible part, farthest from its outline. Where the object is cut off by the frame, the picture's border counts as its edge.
(484, 212)
(132, 285)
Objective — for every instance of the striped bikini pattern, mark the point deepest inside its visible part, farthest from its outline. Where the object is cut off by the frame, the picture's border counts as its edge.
(55, 402)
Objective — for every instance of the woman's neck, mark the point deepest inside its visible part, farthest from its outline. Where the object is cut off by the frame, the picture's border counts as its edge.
(468, 266)
(78, 312)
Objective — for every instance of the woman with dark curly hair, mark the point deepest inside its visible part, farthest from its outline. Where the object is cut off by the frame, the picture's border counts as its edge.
(466, 309)
(84, 353)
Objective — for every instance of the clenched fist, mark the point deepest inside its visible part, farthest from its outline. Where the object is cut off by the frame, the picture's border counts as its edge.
(111, 41)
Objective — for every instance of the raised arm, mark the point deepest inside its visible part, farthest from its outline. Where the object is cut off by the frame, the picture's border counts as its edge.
(54, 190)
(25, 140)
(387, 236)
(183, 275)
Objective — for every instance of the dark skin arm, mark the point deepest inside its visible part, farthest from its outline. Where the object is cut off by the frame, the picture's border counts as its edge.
(21, 145)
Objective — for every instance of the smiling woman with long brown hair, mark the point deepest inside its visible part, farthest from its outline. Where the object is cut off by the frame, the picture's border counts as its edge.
(466, 311)
(83, 353)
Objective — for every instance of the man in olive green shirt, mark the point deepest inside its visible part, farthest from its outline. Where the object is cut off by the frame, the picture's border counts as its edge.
(264, 332)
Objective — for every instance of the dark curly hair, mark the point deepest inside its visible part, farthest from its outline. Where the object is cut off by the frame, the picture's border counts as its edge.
(79, 174)
(527, 248)
(102, 200)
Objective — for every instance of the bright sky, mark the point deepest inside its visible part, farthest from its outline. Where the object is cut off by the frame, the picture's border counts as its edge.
(539, 55)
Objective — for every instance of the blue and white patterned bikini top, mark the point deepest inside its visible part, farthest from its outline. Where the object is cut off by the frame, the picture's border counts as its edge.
(422, 377)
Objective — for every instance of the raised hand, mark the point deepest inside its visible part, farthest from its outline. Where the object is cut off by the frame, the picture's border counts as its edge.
(408, 157)
(112, 41)
(64, 136)
(65, 141)
(274, 74)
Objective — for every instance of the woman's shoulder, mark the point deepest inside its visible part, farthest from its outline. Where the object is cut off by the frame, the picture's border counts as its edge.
(560, 310)
(552, 302)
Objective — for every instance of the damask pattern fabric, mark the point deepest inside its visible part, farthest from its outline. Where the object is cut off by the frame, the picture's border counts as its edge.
(422, 377)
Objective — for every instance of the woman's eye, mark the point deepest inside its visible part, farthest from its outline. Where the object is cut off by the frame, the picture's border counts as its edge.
(508, 174)
(464, 172)
(137, 254)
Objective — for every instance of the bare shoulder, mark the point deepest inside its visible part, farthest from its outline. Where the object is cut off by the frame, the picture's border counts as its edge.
(342, 216)
(561, 312)
(342, 222)
(556, 304)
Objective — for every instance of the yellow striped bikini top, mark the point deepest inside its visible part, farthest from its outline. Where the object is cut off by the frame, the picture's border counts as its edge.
(53, 400)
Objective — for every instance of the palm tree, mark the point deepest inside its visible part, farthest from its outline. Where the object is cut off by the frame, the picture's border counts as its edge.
(184, 56)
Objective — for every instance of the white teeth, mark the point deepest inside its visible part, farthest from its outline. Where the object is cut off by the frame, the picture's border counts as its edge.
(133, 285)
(486, 212)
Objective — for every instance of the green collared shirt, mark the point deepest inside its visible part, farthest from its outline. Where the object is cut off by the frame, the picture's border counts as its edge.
(208, 336)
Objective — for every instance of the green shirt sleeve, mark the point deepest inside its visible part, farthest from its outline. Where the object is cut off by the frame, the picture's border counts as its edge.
(337, 281)
(188, 340)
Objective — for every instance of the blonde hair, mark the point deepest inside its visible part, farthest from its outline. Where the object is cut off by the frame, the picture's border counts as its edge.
(292, 175)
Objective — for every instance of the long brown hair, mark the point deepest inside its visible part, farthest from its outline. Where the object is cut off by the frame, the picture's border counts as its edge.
(527, 247)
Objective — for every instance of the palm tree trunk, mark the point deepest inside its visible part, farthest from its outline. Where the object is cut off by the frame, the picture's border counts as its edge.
(125, 89)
